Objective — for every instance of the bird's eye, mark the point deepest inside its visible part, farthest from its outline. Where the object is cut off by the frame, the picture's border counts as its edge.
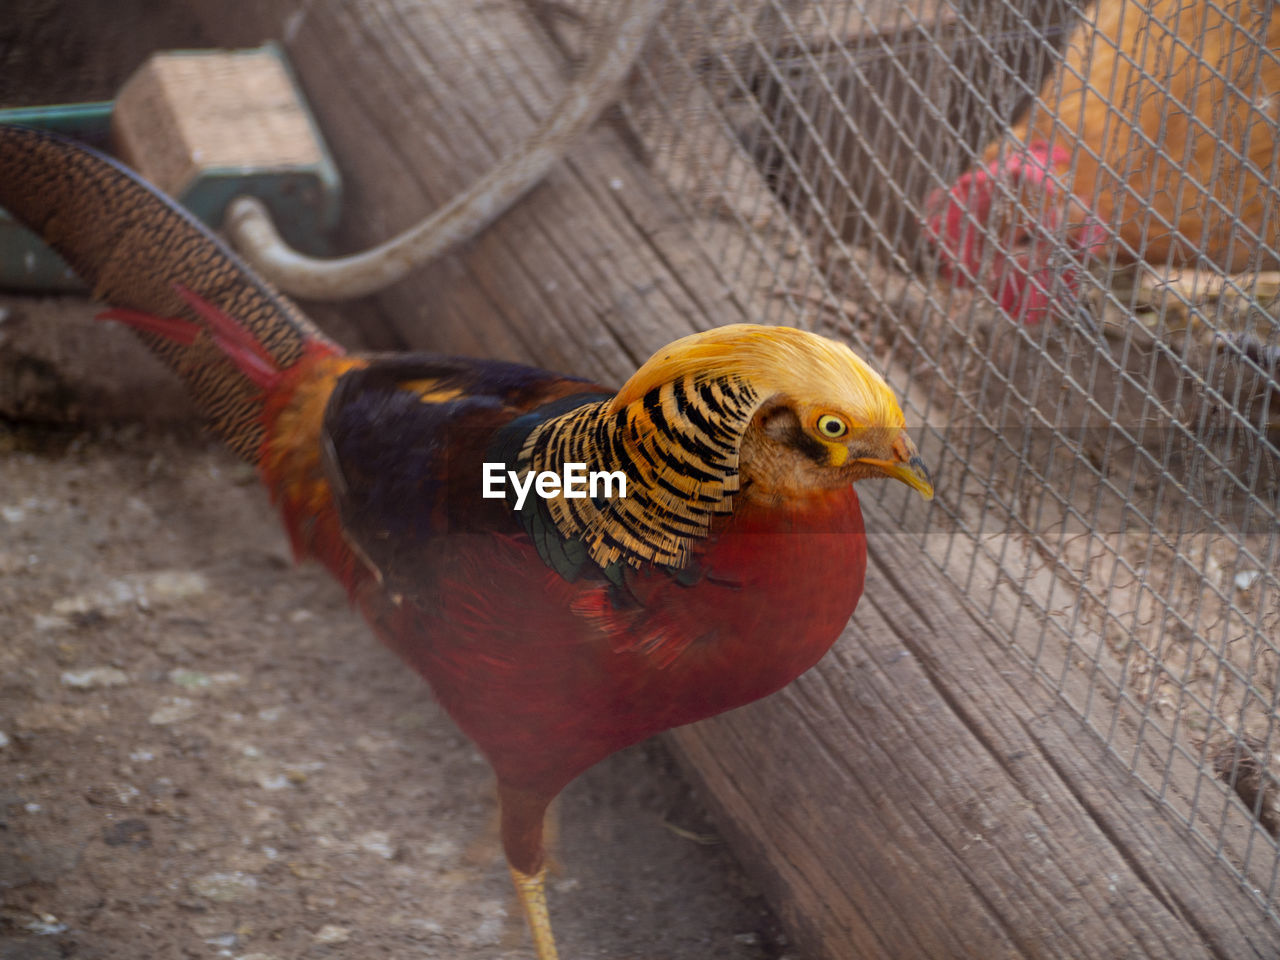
(831, 426)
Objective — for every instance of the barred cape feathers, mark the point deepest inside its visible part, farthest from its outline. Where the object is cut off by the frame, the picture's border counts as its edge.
(677, 446)
(674, 430)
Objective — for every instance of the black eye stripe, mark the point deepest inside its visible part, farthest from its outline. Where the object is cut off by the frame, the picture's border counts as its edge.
(802, 441)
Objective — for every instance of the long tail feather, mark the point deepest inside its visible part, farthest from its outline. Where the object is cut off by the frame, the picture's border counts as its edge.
(241, 348)
(183, 332)
(155, 265)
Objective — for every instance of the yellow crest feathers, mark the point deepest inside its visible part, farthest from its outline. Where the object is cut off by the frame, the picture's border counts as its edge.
(773, 360)
(675, 431)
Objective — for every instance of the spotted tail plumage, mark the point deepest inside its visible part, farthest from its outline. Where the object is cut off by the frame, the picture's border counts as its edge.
(137, 250)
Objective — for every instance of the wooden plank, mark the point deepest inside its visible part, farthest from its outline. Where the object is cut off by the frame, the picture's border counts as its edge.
(917, 794)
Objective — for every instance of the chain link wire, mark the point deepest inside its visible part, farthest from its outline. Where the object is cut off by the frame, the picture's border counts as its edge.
(1054, 225)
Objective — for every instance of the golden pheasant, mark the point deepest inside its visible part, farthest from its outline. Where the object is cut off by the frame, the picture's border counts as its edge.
(571, 568)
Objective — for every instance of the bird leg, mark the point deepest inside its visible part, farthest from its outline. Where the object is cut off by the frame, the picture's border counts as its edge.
(523, 812)
(533, 898)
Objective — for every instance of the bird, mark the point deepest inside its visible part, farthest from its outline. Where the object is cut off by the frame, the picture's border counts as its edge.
(572, 568)
(1153, 141)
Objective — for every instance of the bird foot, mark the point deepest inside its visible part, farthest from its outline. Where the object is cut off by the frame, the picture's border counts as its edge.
(532, 891)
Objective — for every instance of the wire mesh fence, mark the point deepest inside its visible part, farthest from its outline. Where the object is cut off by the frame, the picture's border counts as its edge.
(1054, 225)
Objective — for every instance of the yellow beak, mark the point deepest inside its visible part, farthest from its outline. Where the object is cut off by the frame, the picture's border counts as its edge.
(906, 466)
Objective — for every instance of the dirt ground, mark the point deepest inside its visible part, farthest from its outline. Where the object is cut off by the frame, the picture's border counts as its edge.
(204, 753)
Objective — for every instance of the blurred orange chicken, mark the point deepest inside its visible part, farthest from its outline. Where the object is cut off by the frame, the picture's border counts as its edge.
(1155, 140)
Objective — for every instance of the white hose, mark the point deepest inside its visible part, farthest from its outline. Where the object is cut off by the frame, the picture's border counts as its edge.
(254, 235)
